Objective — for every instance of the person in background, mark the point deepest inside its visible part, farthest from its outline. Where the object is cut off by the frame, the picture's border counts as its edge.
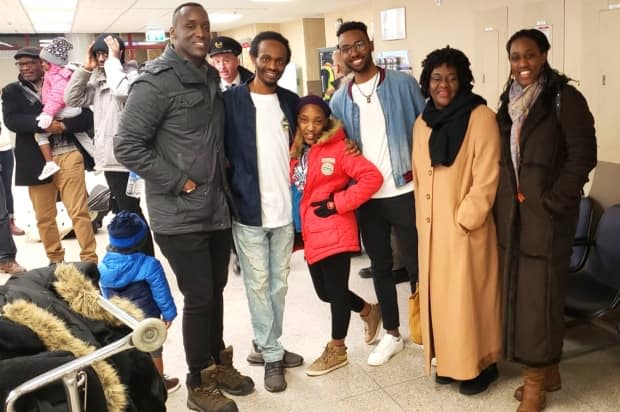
(127, 272)
(54, 61)
(7, 164)
(102, 83)
(455, 174)
(8, 264)
(548, 147)
(21, 105)
(378, 108)
(172, 134)
(224, 56)
(322, 171)
(260, 126)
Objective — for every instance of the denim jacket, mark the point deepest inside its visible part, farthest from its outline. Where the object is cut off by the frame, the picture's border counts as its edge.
(402, 102)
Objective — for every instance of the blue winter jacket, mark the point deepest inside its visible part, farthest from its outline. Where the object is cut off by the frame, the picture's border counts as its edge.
(402, 102)
(139, 278)
(240, 147)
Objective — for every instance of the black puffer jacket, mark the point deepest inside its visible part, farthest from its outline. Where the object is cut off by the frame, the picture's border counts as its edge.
(23, 354)
(558, 150)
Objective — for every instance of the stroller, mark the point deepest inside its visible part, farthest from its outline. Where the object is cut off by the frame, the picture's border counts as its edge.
(63, 347)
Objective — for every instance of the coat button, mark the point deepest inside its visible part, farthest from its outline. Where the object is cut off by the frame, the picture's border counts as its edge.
(428, 196)
(430, 172)
(428, 220)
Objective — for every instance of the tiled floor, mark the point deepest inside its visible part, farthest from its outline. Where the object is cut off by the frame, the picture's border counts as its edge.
(591, 381)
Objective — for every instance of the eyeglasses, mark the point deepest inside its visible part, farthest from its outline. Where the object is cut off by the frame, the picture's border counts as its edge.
(25, 64)
(359, 46)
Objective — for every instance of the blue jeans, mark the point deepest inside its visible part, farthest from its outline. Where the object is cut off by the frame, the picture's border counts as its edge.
(265, 259)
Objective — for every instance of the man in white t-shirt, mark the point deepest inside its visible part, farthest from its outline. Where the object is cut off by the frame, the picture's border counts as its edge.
(260, 125)
(378, 108)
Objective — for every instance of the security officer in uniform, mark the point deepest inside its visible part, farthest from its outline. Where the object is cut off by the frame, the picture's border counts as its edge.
(224, 56)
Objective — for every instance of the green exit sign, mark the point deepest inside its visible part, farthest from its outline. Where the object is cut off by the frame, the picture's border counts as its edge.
(156, 35)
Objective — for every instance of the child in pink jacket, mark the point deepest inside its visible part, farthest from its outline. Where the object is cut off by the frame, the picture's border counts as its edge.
(54, 59)
(333, 184)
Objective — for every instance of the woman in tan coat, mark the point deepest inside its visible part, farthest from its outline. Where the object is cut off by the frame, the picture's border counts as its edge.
(456, 170)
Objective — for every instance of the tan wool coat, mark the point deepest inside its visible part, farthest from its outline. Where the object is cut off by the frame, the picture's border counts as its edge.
(457, 249)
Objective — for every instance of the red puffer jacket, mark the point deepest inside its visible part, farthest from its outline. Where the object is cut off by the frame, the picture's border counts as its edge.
(351, 179)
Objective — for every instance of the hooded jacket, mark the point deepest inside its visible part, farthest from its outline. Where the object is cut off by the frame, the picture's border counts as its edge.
(49, 318)
(118, 271)
(172, 129)
(352, 180)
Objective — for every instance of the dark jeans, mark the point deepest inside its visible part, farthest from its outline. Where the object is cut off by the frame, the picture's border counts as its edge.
(330, 277)
(6, 174)
(200, 262)
(7, 246)
(377, 218)
(117, 182)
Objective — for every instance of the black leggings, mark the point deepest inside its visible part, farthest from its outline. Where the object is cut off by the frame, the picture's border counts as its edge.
(330, 277)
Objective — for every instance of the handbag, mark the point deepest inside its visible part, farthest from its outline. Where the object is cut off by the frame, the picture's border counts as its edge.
(414, 316)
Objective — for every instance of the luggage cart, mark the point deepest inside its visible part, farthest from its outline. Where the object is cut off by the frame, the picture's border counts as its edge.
(147, 336)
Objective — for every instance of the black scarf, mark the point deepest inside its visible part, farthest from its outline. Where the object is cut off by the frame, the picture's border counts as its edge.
(449, 126)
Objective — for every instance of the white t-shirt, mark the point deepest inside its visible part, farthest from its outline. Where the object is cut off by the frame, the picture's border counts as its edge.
(272, 150)
(374, 137)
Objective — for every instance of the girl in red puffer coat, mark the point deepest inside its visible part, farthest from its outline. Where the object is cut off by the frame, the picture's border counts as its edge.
(332, 184)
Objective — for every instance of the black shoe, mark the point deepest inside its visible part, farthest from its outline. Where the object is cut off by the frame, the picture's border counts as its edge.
(274, 376)
(366, 273)
(481, 382)
(290, 360)
(443, 380)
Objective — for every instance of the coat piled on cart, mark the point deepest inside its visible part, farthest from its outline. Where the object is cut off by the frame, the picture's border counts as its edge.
(46, 321)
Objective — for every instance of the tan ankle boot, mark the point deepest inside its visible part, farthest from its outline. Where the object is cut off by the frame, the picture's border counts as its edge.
(533, 390)
(553, 381)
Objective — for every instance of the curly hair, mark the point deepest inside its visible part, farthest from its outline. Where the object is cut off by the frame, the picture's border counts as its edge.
(352, 25)
(451, 58)
(269, 35)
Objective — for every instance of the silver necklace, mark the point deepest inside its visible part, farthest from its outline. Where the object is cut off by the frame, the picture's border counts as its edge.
(374, 86)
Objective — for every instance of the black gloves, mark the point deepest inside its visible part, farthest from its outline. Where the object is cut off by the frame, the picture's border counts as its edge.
(325, 208)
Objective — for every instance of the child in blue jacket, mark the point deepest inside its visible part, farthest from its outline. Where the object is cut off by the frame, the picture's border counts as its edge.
(126, 271)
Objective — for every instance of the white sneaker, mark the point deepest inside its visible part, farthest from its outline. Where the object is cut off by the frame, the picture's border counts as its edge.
(49, 169)
(388, 347)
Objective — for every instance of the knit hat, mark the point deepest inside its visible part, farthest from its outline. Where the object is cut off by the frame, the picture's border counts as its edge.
(100, 46)
(127, 229)
(57, 51)
(317, 101)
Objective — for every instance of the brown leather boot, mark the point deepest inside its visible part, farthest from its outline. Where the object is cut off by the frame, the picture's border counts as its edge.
(229, 379)
(553, 381)
(207, 397)
(533, 390)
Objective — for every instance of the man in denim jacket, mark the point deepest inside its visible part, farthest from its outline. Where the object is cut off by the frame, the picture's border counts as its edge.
(378, 108)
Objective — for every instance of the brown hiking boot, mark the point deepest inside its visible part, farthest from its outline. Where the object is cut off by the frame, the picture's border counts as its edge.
(553, 381)
(372, 324)
(229, 379)
(533, 390)
(207, 397)
(11, 267)
(333, 357)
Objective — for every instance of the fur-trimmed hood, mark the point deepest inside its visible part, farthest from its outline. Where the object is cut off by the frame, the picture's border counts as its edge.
(33, 307)
(334, 131)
